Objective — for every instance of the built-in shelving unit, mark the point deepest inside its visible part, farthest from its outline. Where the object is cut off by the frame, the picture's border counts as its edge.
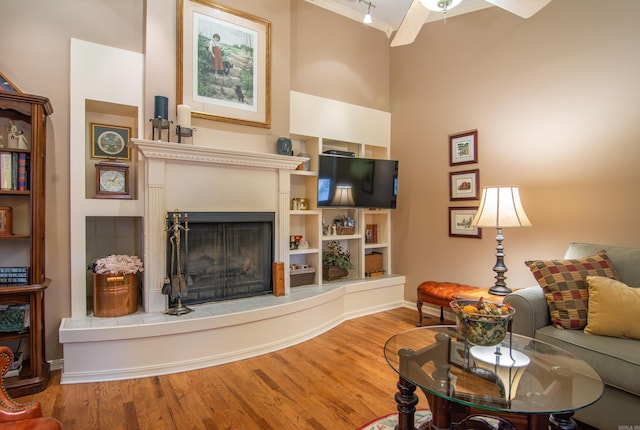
(314, 224)
(365, 132)
(115, 99)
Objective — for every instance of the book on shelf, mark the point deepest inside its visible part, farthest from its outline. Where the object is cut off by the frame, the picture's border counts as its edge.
(14, 276)
(371, 233)
(23, 178)
(13, 372)
(14, 171)
(6, 160)
(16, 366)
(17, 360)
(374, 274)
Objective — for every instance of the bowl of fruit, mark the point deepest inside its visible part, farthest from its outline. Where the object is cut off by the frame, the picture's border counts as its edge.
(482, 322)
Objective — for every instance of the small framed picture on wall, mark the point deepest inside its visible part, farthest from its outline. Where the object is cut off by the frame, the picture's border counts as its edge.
(463, 148)
(464, 185)
(460, 219)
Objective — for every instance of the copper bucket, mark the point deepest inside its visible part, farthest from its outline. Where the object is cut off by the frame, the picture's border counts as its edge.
(115, 295)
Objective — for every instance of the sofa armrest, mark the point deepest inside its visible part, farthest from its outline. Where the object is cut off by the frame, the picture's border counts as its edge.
(532, 311)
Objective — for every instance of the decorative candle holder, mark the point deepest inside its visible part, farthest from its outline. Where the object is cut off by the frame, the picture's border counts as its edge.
(160, 124)
(184, 132)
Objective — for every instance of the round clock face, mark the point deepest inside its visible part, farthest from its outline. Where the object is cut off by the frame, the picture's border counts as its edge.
(111, 142)
(112, 181)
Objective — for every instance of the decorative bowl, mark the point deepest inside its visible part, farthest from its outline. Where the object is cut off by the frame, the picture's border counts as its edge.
(481, 322)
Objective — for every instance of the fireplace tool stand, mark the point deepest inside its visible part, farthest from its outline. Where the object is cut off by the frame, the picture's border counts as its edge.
(177, 279)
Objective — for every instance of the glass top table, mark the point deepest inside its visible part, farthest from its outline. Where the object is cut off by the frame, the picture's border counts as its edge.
(522, 382)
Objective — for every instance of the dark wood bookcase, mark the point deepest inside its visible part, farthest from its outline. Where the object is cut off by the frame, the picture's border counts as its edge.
(22, 252)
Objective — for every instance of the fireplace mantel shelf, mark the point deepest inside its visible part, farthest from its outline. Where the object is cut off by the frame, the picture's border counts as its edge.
(205, 154)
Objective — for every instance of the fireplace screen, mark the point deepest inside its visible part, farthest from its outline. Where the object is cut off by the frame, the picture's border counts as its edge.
(224, 255)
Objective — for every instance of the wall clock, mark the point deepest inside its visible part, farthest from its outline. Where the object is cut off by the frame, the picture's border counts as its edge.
(112, 180)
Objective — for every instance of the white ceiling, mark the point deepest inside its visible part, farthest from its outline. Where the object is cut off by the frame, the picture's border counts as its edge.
(388, 14)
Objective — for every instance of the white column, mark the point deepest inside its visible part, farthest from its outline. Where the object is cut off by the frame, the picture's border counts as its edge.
(155, 237)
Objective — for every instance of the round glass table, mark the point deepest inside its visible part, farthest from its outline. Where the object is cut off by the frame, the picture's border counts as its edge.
(521, 383)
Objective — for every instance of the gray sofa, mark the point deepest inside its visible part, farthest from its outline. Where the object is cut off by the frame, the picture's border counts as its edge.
(617, 360)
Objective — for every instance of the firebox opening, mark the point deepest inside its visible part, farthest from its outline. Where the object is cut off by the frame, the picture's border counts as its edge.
(223, 256)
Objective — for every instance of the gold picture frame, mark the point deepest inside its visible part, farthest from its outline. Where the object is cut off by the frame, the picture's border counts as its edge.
(223, 63)
(110, 142)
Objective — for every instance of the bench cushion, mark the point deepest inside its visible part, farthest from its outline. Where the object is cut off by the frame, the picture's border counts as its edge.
(441, 293)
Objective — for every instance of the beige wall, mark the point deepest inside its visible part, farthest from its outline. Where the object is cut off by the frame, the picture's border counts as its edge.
(337, 58)
(555, 101)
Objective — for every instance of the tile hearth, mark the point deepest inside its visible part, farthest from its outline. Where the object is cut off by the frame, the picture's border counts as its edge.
(213, 309)
(152, 343)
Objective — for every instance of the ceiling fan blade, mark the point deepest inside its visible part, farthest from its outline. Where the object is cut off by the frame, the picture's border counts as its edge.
(411, 24)
(522, 8)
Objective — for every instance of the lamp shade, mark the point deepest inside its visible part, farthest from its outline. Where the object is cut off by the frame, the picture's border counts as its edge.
(343, 196)
(500, 207)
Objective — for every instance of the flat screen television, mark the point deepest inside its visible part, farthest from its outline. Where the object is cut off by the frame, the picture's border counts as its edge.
(357, 182)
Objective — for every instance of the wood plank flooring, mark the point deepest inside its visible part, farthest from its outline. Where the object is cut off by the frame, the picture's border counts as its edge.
(338, 380)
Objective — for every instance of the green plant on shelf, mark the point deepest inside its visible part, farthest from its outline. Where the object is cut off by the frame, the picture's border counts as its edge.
(337, 255)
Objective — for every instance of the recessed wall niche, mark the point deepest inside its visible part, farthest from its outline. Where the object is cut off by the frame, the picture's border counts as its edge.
(111, 235)
(109, 120)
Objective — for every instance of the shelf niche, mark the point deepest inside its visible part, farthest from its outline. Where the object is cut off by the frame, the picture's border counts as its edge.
(103, 113)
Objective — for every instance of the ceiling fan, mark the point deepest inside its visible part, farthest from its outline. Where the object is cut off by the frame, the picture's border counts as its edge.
(420, 9)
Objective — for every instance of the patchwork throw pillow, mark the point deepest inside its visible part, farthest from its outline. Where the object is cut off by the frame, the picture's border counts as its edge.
(565, 286)
(613, 308)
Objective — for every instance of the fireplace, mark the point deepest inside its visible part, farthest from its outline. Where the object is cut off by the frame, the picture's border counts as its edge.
(223, 255)
(197, 179)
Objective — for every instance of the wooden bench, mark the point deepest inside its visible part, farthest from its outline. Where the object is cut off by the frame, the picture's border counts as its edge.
(441, 293)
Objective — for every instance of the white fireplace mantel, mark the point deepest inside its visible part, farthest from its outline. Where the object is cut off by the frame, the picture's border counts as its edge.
(205, 154)
(173, 175)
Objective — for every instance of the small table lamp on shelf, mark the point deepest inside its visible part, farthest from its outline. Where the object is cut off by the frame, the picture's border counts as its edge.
(500, 207)
(343, 196)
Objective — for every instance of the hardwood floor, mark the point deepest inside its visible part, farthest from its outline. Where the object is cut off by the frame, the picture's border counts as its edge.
(338, 380)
